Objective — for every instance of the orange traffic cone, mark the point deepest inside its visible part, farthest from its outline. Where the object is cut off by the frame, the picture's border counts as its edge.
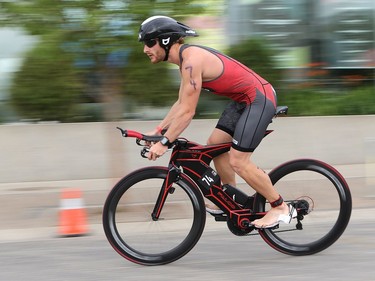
(72, 215)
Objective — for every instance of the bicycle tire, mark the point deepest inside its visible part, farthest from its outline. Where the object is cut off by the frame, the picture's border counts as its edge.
(325, 191)
(132, 232)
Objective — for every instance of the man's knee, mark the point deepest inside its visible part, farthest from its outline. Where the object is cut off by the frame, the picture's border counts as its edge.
(239, 161)
(211, 140)
(236, 163)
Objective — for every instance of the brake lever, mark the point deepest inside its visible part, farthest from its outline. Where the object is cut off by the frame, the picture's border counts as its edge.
(144, 151)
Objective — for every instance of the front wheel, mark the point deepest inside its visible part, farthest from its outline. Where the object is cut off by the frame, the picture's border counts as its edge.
(323, 200)
(135, 233)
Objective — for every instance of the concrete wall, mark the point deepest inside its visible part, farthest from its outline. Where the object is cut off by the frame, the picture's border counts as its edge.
(53, 152)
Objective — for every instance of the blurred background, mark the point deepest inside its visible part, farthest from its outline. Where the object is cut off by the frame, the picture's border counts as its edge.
(73, 70)
(79, 60)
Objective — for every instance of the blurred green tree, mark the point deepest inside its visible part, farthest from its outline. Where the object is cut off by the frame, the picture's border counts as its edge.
(47, 87)
(99, 38)
(256, 54)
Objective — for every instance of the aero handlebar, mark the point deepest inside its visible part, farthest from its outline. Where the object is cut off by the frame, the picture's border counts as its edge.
(139, 136)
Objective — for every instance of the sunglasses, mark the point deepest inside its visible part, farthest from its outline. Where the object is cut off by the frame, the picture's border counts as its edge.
(150, 43)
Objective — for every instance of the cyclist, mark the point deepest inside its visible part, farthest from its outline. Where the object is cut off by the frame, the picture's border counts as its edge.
(243, 122)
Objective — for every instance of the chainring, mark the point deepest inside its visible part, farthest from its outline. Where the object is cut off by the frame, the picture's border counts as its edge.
(236, 230)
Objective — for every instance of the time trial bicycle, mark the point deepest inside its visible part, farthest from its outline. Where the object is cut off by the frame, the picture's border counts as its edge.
(155, 215)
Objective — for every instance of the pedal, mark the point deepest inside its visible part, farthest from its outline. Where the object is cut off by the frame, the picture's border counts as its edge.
(221, 217)
(274, 227)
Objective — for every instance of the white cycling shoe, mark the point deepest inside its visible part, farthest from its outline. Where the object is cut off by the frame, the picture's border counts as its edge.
(282, 218)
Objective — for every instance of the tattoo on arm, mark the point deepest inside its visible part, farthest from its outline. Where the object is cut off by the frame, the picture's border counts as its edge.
(192, 82)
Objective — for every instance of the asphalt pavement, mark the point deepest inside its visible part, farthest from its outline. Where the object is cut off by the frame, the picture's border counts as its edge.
(37, 254)
(32, 250)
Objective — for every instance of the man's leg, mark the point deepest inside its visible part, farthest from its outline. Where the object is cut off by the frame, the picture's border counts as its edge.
(221, 162)
(223, 133)
(260, 181)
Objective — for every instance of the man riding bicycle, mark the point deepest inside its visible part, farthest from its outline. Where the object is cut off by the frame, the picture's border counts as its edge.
(243, 122)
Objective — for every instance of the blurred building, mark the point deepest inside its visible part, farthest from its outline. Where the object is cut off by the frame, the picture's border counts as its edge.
(13, 44)
(334, 34)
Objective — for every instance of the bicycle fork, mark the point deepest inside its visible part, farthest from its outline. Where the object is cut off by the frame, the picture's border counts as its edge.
(166, 188)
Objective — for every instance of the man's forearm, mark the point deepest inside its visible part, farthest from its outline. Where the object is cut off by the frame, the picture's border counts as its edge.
(169, 117)
(181, 120)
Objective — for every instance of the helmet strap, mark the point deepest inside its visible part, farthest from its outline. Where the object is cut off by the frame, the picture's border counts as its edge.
(166, 54)
(166, 49)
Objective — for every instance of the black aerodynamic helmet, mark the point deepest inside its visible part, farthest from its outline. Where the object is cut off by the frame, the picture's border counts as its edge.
(166, 29)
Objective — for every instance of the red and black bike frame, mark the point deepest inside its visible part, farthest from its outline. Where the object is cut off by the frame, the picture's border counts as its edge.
(194, 161)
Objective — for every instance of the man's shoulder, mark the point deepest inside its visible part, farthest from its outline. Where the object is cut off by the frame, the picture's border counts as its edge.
(195, 53)
(192, 54)
(188, 50)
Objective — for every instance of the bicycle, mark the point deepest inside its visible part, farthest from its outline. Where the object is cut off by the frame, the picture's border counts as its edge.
(156, 215)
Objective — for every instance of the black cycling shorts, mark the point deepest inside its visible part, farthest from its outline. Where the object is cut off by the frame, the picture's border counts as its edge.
(247, 124)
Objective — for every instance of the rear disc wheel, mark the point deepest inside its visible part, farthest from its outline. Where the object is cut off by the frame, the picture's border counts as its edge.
(324, 205)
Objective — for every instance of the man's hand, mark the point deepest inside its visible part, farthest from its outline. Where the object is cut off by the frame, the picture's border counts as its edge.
(157, 150)
(155, 132)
